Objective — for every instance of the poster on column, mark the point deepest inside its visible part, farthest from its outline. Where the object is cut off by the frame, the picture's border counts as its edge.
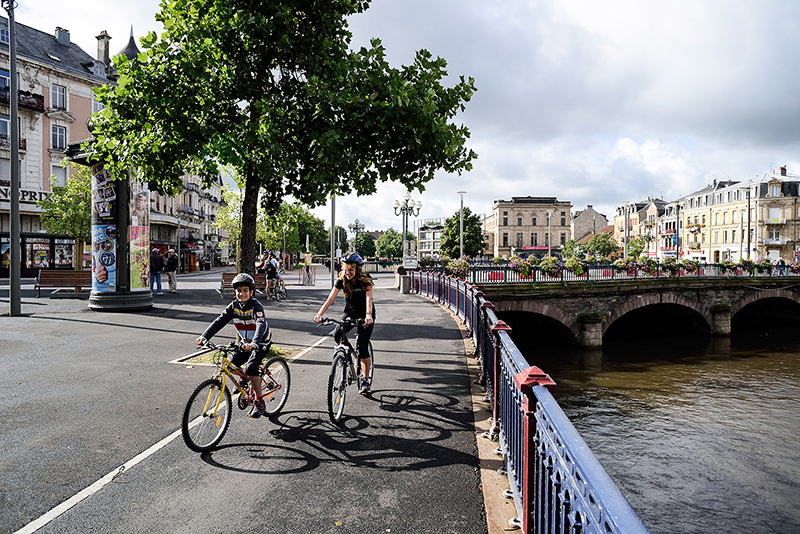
(140, 236)
(104, 258)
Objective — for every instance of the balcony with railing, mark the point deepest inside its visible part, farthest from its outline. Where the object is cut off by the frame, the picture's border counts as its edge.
(25, 99)
(5, 143)
(777, 221)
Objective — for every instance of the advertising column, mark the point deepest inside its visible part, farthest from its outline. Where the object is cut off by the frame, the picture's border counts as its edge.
(120, 228)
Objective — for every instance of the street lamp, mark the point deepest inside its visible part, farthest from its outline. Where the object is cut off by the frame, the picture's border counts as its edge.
(405, 208)
(356, 227)
(14, 289)
(461, 225)
(549, 234)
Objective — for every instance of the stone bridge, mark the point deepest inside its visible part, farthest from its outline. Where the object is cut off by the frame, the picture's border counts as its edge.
(588, 309)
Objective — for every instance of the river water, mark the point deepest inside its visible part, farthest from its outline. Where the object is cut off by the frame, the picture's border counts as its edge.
(700, 435)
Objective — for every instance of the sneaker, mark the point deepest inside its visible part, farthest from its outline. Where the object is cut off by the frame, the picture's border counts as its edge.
(159, 293)
(365, 387)
(258, 409)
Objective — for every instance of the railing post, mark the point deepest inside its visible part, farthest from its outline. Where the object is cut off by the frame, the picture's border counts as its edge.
(525, 381)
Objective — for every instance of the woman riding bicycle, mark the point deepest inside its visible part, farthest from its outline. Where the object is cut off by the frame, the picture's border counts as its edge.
(358, 304)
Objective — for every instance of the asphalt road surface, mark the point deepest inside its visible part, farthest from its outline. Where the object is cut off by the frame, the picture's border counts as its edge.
(92, 408)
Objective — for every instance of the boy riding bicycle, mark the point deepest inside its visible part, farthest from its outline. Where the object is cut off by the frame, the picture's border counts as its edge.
(251, 324)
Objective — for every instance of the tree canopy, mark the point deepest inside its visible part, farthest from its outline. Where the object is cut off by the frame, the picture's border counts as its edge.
(389, 244)
(602, 245)
(273, 90)
(451, 235)
(365, 245)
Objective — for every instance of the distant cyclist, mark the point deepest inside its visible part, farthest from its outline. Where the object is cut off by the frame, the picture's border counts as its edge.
(358, 304)
(271, 270)
(248, 318)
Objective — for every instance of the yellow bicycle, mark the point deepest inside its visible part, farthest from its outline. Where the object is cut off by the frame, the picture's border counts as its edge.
(208, 412)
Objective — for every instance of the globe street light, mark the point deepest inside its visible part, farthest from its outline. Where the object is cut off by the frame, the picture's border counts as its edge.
(461, 225)
(356, 227)
(405, 208)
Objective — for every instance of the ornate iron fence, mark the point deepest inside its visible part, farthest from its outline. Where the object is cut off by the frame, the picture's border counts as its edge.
(557, 483)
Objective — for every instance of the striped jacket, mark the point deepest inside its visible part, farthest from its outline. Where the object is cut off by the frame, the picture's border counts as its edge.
(248, 319)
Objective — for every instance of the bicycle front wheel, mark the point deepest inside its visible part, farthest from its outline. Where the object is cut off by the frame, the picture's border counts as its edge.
(275, 384)
(337, 387)
(207, 416)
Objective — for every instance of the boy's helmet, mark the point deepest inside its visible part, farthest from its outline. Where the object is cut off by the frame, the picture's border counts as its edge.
(352, 257)
(244, 279)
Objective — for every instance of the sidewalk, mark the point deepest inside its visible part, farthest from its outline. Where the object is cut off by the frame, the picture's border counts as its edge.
(419, 431)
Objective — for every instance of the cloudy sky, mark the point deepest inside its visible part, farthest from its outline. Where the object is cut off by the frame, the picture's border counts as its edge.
(591, 102)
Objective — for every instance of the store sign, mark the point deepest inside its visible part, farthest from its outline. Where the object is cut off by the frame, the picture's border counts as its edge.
(25, 195)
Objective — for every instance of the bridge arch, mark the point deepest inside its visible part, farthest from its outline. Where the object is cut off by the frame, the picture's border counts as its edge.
(553, 312)
(652, 299)
(764, 294)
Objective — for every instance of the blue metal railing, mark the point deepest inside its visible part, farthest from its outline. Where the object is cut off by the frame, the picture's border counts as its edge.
(557, 483)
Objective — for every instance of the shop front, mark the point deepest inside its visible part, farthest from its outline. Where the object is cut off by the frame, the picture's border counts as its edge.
(41, 251)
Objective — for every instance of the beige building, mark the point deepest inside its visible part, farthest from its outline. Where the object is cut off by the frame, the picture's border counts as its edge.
(527, 226)
(733, 220)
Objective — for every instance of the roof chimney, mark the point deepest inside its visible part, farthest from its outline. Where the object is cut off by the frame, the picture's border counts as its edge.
(103, 53)
(62, 35)
(783, 170)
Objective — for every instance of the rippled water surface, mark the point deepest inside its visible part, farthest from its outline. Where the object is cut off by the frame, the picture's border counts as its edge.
(700, 437)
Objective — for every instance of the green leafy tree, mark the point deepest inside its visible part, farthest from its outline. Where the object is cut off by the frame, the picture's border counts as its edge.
(273, 90)
(365, 245)
(451, 235)
(573, 249)
(342, 243)
(68, 209)
(636, 246)
(602, 245)
(229, 216)
(390, 244)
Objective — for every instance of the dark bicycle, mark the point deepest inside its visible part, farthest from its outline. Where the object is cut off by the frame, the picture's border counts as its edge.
(345, 369)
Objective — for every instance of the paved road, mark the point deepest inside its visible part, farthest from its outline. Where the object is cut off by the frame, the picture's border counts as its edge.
(85, 392)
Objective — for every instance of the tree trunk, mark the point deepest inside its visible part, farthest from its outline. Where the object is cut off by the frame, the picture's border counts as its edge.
(246, 262)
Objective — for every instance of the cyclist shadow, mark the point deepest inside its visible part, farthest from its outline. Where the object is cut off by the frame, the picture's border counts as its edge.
(408, 436)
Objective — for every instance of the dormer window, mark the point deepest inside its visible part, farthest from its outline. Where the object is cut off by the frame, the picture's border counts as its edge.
(4, 35)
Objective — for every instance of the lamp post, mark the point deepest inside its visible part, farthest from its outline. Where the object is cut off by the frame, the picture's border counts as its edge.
(14, 301)
(356, 227)
(461, 225)
(549, 234)
(405, 208)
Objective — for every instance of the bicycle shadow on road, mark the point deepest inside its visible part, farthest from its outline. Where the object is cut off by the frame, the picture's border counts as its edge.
(408, 436)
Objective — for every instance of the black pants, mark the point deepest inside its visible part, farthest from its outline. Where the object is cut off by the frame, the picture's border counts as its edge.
(364, 333)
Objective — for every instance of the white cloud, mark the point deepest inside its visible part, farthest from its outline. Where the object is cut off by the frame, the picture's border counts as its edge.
(591, 102)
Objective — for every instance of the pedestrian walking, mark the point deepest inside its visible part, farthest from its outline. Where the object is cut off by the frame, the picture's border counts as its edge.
(156, 265)
(171, 268)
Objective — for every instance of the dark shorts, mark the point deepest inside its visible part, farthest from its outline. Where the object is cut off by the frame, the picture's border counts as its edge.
(250, 360)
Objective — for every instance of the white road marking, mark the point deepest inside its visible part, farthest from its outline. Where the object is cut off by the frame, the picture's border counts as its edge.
(44, 519)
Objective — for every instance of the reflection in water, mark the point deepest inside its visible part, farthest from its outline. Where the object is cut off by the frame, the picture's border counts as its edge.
(699, 435)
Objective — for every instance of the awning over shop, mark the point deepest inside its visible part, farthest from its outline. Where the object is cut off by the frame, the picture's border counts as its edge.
(190, 246)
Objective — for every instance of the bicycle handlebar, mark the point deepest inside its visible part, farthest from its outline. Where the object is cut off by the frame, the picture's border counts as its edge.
(347, 322)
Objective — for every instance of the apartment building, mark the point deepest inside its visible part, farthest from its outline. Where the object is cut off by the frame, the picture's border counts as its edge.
(528, 225)
(587, 222)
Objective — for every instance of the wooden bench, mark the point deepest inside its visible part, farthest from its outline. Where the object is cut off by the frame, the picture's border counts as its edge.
(62, 278)
(227, 279)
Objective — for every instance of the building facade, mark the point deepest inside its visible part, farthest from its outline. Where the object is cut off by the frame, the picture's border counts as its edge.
(587, 222)
(527, 226)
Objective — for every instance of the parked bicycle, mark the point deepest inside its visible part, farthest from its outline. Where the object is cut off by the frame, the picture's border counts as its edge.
(280, 288)
(208, 412)
(345, 369)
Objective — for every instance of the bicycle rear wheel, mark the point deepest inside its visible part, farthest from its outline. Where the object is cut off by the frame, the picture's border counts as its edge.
(275, 384)
(337, 387)
(280, 292)
(207, 416)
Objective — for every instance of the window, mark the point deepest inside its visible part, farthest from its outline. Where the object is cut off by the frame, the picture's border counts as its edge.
(58, 97)
(533, 223)
(505, 240)
(775, 233)
(505, 221)
(534, 239)
(60, 174)
(724, 236)
(5, 78)
(563, 221)
(725, 218)
(563, 239)
(519, 240)
(5, 125)
(59, 137)
(4, 35)
(96, 106)
(733, 236)
(774, 190)
(519, 222)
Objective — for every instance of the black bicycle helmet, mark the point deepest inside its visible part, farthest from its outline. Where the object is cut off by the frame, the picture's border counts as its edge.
(352, 257)
(243, 279)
